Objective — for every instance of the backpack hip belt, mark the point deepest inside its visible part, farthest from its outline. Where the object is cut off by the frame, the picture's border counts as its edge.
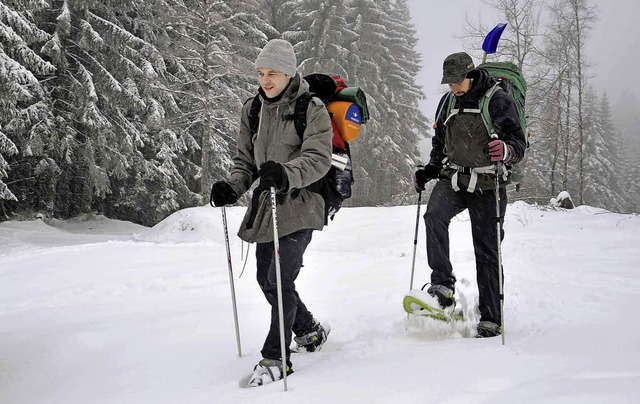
(473, 172)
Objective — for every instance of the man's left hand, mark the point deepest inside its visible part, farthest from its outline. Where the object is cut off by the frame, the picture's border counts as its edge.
(498, 150)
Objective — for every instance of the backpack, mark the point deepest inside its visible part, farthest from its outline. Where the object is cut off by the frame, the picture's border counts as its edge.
(510, 80)
(347, 107)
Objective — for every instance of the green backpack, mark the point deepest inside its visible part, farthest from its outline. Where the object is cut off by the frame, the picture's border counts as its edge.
(511, 80)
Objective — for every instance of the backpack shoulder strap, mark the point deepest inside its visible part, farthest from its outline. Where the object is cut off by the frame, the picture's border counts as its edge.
(445, 108)
(254, 113)
(449, 110)
(484, 106)
(299, 115)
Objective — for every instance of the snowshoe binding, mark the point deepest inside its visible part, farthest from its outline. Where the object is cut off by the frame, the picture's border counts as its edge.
(487, 329)
(313, 339)
(267, 371)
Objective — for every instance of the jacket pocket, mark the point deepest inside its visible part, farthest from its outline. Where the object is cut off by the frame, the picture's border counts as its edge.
(291, 139)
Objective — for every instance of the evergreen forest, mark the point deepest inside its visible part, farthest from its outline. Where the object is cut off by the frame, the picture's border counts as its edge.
(130, 109)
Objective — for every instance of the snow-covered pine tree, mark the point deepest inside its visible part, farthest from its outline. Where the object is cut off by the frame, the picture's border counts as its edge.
(407, 94)
(215, 44)
(602, 156)
(279, 15)
(383, 63)
(25, 119)
(630, 164)
(112, 106)
(627, 121)
(321, 36)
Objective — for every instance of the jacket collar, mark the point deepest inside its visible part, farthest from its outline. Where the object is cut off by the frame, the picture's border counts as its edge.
(295, 89)
(481, 83)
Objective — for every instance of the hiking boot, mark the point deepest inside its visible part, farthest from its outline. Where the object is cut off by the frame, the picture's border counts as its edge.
(267, 371)
(313, 339)
(487, 329)
(443, 294)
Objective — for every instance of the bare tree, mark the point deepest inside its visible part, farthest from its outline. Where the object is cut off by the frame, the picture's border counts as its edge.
(577, 17)
(518, 40)
(555, 67)
(518, 45)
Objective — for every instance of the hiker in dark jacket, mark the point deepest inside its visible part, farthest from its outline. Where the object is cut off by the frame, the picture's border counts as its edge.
(463, 159)
(277, 157)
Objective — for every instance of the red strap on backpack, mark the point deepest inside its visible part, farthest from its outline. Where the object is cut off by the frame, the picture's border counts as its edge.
(339, 82)
(337, 141)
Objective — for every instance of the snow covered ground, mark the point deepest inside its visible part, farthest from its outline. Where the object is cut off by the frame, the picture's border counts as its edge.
(102, 311)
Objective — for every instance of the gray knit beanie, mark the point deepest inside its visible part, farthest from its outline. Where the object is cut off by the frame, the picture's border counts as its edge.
(279, 55)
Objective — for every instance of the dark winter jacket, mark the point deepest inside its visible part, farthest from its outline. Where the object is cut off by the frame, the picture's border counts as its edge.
(305, 161)
(506, 122)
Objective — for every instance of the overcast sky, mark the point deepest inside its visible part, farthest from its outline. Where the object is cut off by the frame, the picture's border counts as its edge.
(613, 47)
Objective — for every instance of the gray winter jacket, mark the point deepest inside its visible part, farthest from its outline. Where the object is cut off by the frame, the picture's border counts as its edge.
(305, 161)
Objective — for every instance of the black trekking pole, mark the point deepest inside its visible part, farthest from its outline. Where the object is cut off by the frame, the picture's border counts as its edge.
(499, 239)
(415, 240)
(233, 291)
(276, 247)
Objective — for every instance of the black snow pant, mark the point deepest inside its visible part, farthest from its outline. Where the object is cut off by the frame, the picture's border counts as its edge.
(443, 205)
(295, 313)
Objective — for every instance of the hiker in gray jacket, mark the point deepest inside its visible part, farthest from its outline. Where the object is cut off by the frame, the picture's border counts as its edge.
(277, 157)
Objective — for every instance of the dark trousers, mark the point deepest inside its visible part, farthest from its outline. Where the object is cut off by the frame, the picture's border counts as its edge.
(296, 316)
(444, 204)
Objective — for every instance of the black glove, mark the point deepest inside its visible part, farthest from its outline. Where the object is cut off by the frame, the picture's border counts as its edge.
(222, 194)
(424, 175)
(272, 174)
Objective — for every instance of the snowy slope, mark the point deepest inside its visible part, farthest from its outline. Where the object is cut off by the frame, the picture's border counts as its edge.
(101, 311)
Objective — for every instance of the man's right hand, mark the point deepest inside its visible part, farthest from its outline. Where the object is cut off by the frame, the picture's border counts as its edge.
(222, 194)
(424, 175)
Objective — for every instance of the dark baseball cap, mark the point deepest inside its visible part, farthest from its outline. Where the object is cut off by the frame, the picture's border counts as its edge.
(455, 68)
